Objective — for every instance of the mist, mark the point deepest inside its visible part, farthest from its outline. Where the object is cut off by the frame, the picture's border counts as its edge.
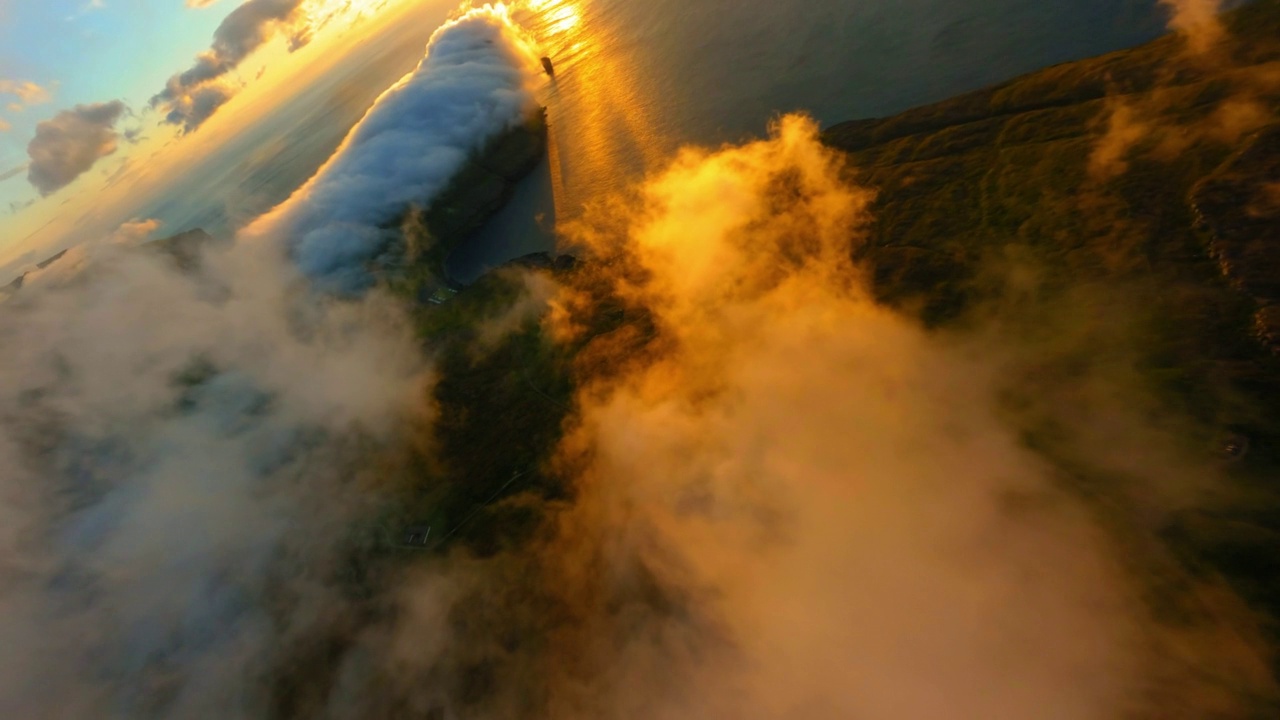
(786, 499)
(1198, 21)
(183, 458)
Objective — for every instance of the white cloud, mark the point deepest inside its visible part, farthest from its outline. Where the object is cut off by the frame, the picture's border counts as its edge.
(472, 84)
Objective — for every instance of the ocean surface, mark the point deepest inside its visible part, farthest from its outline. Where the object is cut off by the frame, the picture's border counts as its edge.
(636, 80)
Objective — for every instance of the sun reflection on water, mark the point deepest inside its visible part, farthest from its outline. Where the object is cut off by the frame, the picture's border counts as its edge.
(600, 114)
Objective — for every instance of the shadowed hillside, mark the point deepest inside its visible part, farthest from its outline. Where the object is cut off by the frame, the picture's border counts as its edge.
(1118, 211)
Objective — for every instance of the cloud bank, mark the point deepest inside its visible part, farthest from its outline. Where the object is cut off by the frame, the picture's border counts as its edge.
(190, 97)
(183, 458)
(70, 143)
(472, 85)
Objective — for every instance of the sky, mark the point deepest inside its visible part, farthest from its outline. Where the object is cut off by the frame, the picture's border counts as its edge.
(99, 96)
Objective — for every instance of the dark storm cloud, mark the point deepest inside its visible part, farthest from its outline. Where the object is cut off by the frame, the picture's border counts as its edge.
(189, 97)
(68, 144)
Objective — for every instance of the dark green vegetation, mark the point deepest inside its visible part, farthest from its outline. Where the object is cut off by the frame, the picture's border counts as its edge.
(501, 403)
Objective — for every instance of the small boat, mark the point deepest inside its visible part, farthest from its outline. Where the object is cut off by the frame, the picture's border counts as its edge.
(546, 65)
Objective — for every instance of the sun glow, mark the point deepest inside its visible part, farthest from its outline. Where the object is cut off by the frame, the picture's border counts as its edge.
(563, 19)
(556, 17)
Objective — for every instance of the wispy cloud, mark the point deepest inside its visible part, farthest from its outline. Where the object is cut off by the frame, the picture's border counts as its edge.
(192, 96)
(87, 8)
(1198, 20)
(27, 92)
(12, 172)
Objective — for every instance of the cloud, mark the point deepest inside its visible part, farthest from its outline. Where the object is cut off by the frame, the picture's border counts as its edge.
(1198, 20)
(1154, 123)
(5, 126)
(472, 85)
(26, 91)
(1124, 131)
(200, 3)
(135, 232)
(67, 145)
(190, 97)
(184, 457)
(785, 500)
